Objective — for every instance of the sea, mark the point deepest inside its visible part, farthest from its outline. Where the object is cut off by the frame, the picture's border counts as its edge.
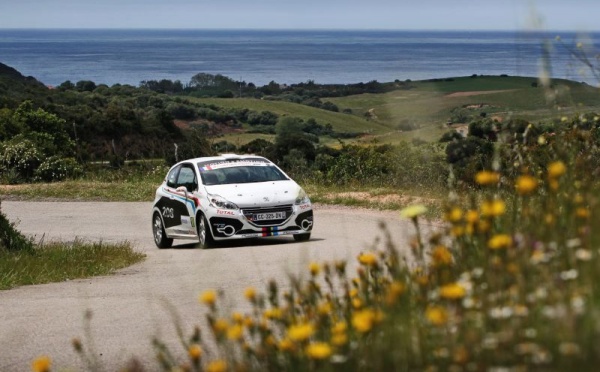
(112, 56)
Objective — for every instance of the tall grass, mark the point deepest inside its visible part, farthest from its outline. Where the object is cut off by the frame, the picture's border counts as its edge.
(509, 283)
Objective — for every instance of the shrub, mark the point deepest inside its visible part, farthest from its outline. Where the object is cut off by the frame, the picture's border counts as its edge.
(56, 168)
(10, 238)
(22, 158)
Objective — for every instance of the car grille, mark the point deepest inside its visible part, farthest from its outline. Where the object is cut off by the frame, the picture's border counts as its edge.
(249, 213)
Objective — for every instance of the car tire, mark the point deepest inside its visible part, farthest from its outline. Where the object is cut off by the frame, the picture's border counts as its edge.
(302, 237)
(205, 238)
(158, 231)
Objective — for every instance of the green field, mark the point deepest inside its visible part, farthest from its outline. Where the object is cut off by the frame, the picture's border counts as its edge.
(428, 105)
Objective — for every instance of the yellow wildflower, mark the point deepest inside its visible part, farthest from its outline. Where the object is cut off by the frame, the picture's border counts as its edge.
(339, 339)
(484, 226)
(454, 215)
(368, 259)
(220, 325)
(556, 169)
(493, 208)
(394, 291)
(208, 297)
(469, 229)
(318, 350)
(273, 313)
(250, 294)
(461, 355)
(270, 340)
(218, 365)
(41, 364)
(512, 268)
(363, 320)
(314, 268)
(413, 211)
(487, 178)
(300, 332)
(235, 332)
(441, 256)
(526, 184)
(237, 317)
(357, 303)
(499, 241)
(286, 345)
(582, 212)
(436, 315)
(452, 291)
(472, 216)
(339, 327)
(195, 351)
(325, 308)
(457, 231)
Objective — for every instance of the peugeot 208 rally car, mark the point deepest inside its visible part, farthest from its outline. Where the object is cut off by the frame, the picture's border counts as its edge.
(229, 197)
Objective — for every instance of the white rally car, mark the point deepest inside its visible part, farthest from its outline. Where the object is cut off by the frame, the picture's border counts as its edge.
(229, 197)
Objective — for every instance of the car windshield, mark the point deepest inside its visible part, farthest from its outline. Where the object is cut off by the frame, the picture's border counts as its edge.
(228, 172)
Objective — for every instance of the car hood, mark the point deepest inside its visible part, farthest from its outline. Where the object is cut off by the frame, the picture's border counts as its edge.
(261, 194)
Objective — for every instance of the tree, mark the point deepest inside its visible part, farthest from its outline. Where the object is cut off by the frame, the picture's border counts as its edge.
(291, 135)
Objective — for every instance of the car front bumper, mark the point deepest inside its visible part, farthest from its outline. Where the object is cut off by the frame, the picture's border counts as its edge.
(241, 224)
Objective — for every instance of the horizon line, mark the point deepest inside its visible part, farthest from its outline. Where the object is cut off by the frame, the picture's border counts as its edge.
(291, 29)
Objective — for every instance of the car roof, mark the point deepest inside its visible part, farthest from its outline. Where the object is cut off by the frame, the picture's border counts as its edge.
(224, 157)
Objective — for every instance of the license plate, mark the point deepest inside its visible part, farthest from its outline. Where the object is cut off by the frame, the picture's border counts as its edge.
(269, 216)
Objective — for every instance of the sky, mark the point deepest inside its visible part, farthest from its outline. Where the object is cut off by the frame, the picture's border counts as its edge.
(576, 15)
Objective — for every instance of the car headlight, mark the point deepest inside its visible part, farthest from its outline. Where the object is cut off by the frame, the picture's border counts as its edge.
(302, 197)
(218, 201)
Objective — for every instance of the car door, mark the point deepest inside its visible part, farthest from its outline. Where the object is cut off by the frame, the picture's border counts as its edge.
(178, 207)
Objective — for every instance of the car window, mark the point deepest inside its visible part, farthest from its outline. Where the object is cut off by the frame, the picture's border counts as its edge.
(187, 178)
(172, 177)
(241, 174)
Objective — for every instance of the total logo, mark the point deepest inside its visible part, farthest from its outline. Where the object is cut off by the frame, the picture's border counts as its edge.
(228, 213)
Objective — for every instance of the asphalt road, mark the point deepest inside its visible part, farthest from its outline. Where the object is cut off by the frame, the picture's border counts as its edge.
(134, 305)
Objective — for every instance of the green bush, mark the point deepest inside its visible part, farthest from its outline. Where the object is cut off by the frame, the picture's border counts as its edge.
(56, 168)
(10, 238)
(19, 159)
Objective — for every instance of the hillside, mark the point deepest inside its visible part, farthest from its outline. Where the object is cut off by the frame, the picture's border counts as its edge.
(380, 113)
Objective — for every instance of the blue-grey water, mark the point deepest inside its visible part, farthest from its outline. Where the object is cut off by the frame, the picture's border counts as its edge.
(130, 56)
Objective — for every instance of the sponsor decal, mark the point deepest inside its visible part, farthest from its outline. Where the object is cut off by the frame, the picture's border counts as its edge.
(229, 164)
(228, 213)
(185, 220)
(304, 206)
(184, 197)
(276, 233)
(168, 212)
(270, 231)
(252, 235)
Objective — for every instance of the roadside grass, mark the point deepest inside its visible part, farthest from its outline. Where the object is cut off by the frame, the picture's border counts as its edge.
(378, 198)
(59, 261)
(83, 190)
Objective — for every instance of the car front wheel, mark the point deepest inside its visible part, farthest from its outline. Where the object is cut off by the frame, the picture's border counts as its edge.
(205, 238)
(158, 230)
